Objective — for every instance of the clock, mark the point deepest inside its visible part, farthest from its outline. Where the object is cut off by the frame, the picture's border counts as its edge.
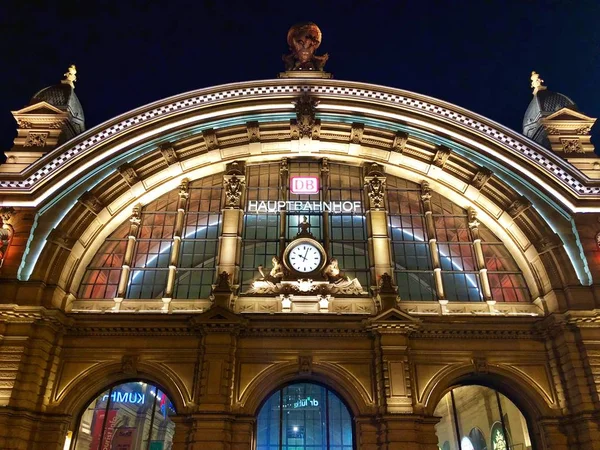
(304, 256)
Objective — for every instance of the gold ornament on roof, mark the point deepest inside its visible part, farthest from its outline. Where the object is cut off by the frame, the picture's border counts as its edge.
(70, 76)
(536, 82)
(303, 39)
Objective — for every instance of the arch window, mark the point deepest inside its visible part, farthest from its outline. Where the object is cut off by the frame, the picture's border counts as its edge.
(480, 418)
(304, 416)
(134, 415)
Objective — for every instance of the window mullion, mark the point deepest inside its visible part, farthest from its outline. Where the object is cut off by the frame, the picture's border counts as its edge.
(433, 247)
(134, 229)
(479, 258)
(182, 203)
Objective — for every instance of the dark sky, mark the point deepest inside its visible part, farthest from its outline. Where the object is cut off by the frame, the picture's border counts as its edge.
(476, 54)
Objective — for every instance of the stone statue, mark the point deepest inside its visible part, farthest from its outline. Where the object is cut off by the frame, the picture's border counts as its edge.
(338, 282)
(70, 76)
(276, 272)
(303, 39)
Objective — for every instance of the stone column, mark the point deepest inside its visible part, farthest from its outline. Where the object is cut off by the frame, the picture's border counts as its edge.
(479, 258)
(433, 248)
(230, 241)
(380, 259)
(283, 195)
(177, 236)
(134, 228)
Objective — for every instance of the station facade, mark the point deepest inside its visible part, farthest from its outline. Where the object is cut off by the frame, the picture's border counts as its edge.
(300, 262)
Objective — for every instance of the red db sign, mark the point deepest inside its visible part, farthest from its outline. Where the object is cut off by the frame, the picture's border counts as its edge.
(304, 185)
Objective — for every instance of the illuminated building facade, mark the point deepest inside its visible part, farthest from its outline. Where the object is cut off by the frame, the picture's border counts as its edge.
(299, 263)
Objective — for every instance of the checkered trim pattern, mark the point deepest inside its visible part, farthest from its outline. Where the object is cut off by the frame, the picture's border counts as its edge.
(535, 155)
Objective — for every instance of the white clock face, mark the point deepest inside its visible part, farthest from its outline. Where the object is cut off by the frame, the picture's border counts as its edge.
(304, 258)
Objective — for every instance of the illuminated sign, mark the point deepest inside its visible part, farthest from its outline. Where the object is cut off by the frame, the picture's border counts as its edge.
(126, 397)
(256, 206)
(304, 185)
(303, 402)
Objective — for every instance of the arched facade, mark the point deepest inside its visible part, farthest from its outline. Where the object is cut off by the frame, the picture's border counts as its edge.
(448, 251)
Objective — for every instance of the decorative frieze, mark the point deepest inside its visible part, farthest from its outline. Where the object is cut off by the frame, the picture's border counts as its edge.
(572, 145)
(35, 139)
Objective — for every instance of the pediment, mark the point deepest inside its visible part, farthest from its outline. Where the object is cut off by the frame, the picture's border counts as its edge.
(394, 316)
(39, 108)
(569, 114)
(218, 315)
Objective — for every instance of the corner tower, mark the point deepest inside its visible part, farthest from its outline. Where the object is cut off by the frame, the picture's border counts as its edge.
(54, 116)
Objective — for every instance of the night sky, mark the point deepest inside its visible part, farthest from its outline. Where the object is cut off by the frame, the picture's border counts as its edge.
(476, 54)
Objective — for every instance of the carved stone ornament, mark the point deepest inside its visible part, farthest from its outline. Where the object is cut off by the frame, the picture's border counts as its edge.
(552, 130)
(184, 189)
(399, 143)
(386, 284)
(135, 218)
(598, 240)
(375, 191)
(210, 139)
(587, 129)
(547, 243)
(235, 168)
(24, 123)
(91, 202)
(425, 191)
(222, 283)
(441, 156)
(36, 140)
(6, 214)
(306, 110)
(303, 40)
(571, 145)
(61, 238)
(129, 364)
(480, 365)
(168, 153)
(129, 174)
(304, 365)
(481, 177)
(473, 222)
(253, 132)
(234, 186)
(356, 133)
(518, 206)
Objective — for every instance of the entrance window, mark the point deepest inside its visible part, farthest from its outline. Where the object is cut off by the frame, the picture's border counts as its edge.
(480, 418)
(304, 416)
(130, 416)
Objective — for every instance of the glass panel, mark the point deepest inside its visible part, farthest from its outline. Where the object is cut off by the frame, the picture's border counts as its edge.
(508, 287)
(446, 427)
(415, 285)
(147, 283)
(463, 287)
(127, 417)
(306, 417)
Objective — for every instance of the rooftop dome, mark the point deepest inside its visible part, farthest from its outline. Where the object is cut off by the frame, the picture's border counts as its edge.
(544, 103)
(62, 96)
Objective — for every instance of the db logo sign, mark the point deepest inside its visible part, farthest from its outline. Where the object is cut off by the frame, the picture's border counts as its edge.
(304, 185)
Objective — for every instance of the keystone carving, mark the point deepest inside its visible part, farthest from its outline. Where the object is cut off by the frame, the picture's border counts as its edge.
(91, 202)
(210, 139)
(169, 154)
(441, 156)
(129, 174)
(253, 132)
(235, 168)
(518, 206)
(399, 143)
(305, 364)
(480, 365)
(356, 133)
(129, 364)
(234, 186)
(481, 177)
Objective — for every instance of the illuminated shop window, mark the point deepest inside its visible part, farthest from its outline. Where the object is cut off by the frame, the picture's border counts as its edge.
(480, 418)
(304, 416)
(133, 415)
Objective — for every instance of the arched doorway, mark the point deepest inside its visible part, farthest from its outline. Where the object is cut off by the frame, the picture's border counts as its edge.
(129, 416)
(480, 418)
(303, 416)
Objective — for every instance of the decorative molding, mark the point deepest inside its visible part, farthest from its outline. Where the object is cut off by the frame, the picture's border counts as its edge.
(91, 202)
(399, 142)
(305, 365)
(306, 111)
(518, 206)
(61, 238)
(481, 177)
(356, 133)
(441, 156)
(210, 139)
(547, 243)
(375, 191)
(129, 364)
(480, 365)
(234, 187)
(572, 145)
(253, 130)
(168, 152)
(129, 174)
(35, 139)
